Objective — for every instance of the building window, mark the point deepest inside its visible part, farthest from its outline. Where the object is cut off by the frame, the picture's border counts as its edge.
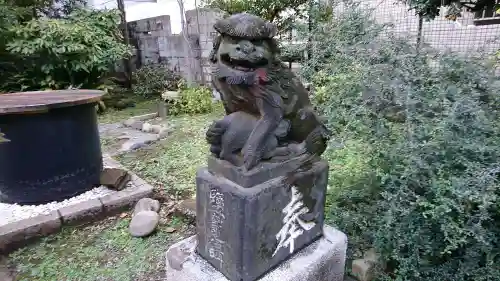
(488, 15)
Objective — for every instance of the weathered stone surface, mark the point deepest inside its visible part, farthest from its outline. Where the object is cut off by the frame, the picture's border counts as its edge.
(162, 109)
(263, 172)
(187, 208)
(125, 198)
(137, 125)
(323, 260)
(115, 178)
(144, 223)
(243, 232)
(81, 212)
(20, 231)
(146, 204)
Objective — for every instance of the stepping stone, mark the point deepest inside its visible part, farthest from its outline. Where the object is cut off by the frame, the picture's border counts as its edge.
(146, 204)
(144, 223)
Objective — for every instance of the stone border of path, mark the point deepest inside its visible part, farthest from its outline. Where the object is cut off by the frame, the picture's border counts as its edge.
(20, 233)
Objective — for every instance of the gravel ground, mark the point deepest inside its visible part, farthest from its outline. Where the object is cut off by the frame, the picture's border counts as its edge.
(13, 212)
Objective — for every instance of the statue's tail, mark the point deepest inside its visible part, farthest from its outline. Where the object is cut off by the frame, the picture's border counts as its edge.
(303, 168)
(313, 146)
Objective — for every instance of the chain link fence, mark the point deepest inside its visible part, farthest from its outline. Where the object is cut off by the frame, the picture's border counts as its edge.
(471, 34)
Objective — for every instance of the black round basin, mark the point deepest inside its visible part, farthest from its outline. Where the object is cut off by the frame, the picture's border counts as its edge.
(54, 151)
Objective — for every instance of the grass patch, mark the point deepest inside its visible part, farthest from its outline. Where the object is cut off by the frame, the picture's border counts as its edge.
(170, 164)
(102, 251)
(114, 115)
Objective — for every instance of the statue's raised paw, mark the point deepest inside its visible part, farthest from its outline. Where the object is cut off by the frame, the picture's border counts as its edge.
(214, 133)
(250, 159)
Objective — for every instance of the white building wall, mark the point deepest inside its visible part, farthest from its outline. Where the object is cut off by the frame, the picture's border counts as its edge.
(461, 35)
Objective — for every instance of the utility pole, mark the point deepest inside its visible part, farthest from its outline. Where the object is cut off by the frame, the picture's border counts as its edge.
(126, 40)
(187, 46)
(203, 82)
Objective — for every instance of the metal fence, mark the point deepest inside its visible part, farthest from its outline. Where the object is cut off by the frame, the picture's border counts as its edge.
(472, 33)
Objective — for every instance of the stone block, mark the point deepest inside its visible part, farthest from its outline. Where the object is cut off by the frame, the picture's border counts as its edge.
(245, 232)
(323, 260)
(82, 212)
(260, 174)
(114, 178)
(127, 197)
(15, 234)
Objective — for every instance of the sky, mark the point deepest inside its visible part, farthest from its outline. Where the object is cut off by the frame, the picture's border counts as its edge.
(139, 11)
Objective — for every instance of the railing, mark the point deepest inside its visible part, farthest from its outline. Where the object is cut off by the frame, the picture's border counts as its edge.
(488, 15)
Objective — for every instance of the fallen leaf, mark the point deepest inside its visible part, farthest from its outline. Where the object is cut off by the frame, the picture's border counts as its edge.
(170, 230)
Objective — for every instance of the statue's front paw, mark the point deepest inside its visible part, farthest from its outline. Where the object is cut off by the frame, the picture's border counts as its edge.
(250, 159)
(214, 133)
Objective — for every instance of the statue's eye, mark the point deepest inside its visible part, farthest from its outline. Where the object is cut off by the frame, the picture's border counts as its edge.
(258, 42)
(231, 39)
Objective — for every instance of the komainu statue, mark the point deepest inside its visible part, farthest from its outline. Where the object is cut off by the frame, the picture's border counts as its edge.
(269, 114)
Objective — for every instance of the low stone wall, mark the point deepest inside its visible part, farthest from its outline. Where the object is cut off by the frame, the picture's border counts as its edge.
(19, 233)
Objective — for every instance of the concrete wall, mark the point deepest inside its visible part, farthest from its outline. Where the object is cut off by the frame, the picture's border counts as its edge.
(201, 21)
(174, 53)
(148, 36)
(155, 42)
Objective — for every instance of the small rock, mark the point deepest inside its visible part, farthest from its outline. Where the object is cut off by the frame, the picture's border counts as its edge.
(170, 230)
(362, 269)
(177, 256)
(147, 128)
(146, 204)
(129, 122)
(134, 124)
(115, 178)
(164, 132)
(144, 223)
(132, 145)
(156, 129)
(187, 208)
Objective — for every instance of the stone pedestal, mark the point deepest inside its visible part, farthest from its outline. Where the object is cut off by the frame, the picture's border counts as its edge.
(250, 222)
(323, 260)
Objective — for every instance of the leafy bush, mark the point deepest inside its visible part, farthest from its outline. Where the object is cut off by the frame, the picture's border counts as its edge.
(427, 121)
(77, 51)
(195, 100)
(152, 80)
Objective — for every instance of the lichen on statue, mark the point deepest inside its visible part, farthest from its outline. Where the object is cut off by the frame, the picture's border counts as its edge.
(252, 80)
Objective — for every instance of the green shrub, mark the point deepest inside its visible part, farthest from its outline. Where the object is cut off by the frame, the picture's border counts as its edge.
(153, 80)
(195, 100)
(427, 123)
(77, 51)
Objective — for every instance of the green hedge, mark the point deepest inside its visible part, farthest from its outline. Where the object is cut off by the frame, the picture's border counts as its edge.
(416, 173)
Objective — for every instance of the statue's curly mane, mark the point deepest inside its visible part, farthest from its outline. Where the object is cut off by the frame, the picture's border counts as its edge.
(280, 80)
(273, 43)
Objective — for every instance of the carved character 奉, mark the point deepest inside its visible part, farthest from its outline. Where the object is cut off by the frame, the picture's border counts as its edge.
(252, 80)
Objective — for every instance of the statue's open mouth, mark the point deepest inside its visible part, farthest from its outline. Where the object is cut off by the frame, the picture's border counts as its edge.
(241, 64)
